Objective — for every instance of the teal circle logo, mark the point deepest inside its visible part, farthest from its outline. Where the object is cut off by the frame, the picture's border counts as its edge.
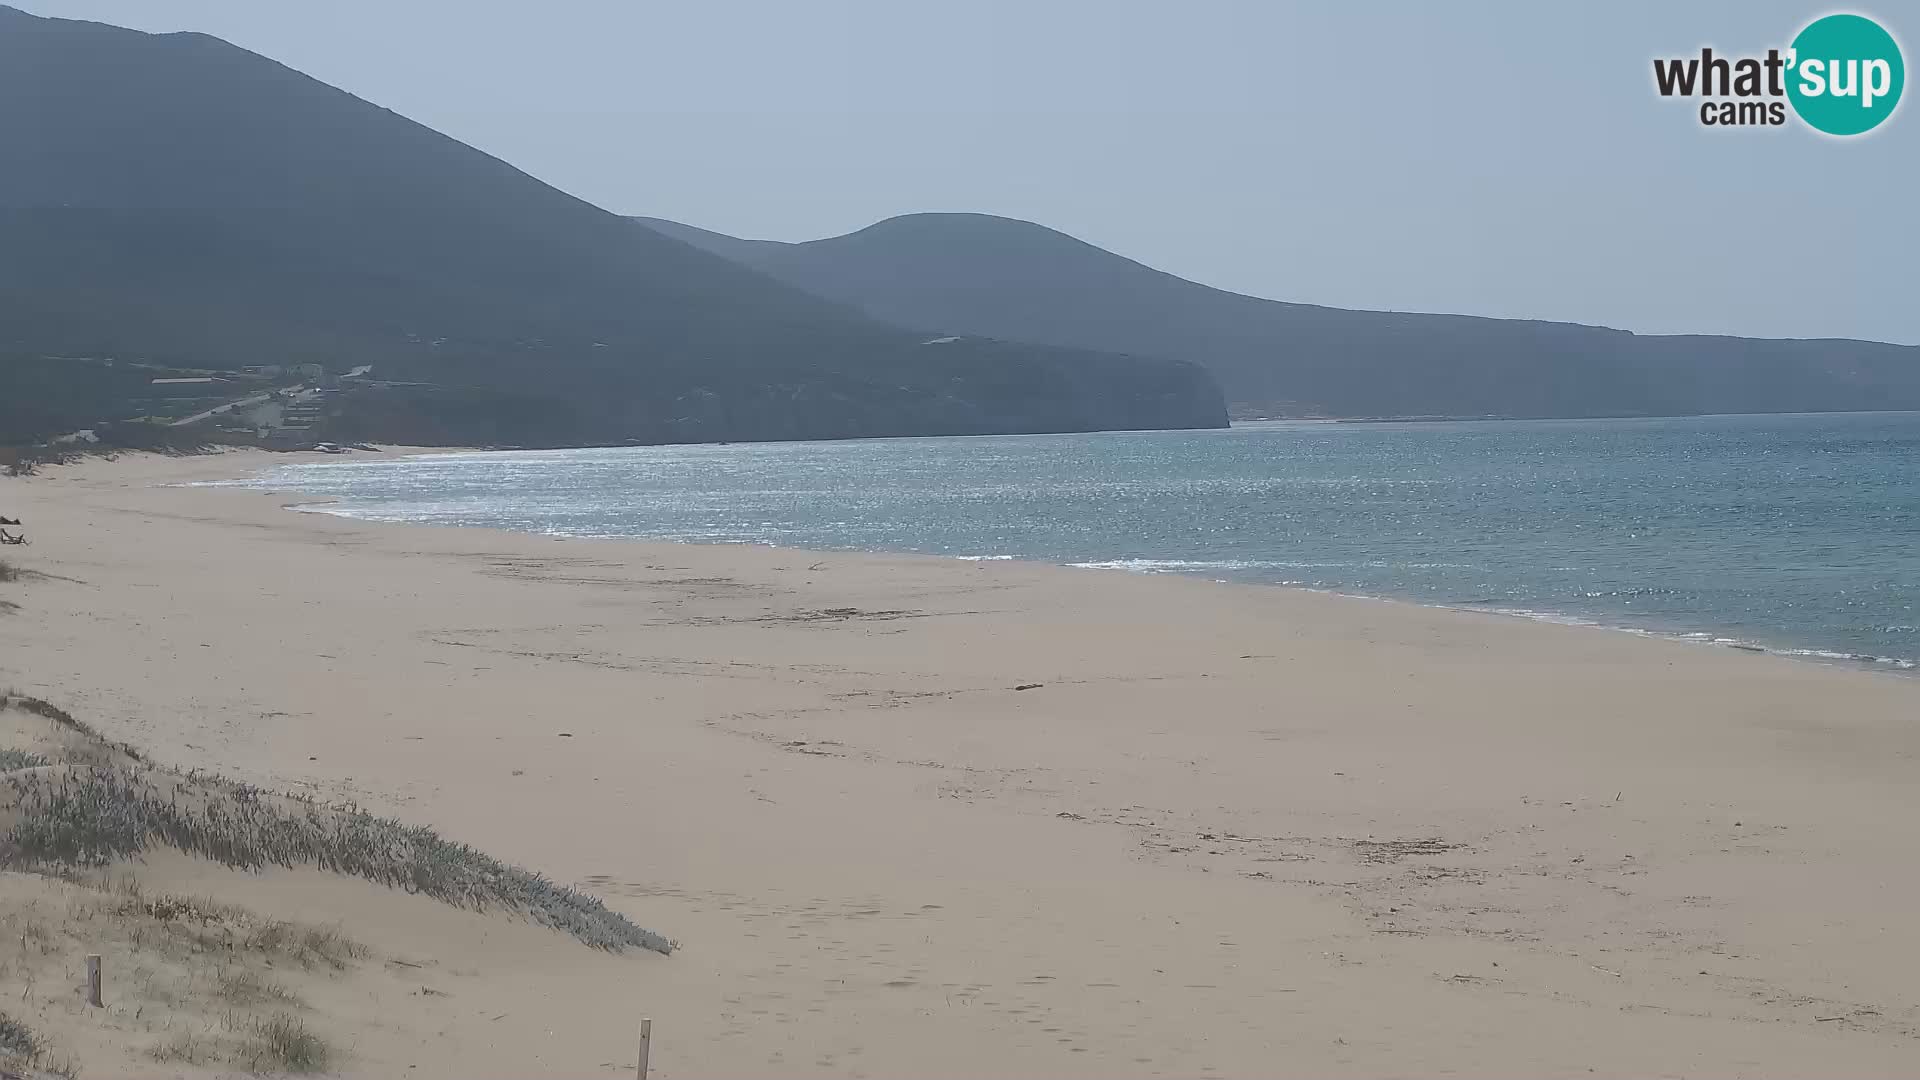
(1845, 74)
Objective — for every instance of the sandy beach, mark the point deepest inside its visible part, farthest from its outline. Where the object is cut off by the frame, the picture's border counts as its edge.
(920, 817)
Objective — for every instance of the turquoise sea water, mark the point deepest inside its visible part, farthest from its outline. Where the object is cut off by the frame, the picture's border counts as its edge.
(1797, 533)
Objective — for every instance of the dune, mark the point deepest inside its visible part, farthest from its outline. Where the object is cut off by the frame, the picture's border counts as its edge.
(114, 865)
(918, 817)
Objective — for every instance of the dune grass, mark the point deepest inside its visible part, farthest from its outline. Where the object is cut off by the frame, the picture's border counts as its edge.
(282, 1043)
(308, 946)
(20, 1050)
(11, 760)
(16, 1038)
(245, 988)
(278, 1044)
(46, 710)
(202, 925)
(215, 980)
(90, 816)
(223, 984)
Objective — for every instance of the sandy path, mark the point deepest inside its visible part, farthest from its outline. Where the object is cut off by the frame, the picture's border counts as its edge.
(1234, 831)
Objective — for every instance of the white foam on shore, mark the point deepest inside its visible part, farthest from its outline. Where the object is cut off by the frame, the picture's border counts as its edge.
(1557, 618)
(1205, 566)
(1862, 658)
(1694, 637)
(1185, 566)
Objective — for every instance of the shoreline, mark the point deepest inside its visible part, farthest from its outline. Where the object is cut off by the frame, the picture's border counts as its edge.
(898, 809)
(1807, 652)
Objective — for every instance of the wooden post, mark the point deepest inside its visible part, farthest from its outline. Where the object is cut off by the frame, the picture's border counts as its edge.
(93, 980)
(646, 1044)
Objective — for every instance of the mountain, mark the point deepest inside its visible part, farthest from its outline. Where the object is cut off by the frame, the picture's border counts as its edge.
(175, 199)
(978, 274)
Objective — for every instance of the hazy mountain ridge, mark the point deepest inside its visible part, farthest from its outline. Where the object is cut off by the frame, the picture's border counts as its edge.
(176, 198)
(975, 273)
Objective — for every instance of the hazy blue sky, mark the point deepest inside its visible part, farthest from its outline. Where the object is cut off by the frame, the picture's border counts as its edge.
(1500, 159)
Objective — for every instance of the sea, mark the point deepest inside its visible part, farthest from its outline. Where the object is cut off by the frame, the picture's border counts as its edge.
(1797, 534)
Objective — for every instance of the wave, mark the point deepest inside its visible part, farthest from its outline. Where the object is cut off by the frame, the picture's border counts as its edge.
(1862, 658)
(1701, 638)
(1174, 566)
(753, 510)
(1181, 566)
(1497, 607)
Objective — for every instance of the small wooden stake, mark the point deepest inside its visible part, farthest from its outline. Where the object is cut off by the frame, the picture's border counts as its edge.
(93, 980)
(646, 1043)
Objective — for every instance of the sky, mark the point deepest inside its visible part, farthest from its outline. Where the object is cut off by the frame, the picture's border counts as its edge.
(1504, 159)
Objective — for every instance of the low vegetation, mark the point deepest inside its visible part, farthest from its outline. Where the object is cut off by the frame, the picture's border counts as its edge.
(14, 699)
(219, 986)
(204, 925)
(19, 459)
(94, 747)
(89, 816)
(11, 760)
(246, 988)
(280, 1043)
(15, 1038)
(8, 571)
(210, 979)
(21, 1053)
